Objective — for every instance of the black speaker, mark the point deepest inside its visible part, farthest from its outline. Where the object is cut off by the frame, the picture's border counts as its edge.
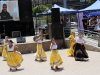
(25, 10)
(55, 15)
(16, 34)
(28, 29)
(57, 31)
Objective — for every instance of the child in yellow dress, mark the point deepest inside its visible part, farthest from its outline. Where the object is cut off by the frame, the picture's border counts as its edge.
(72, 42)
(5, 43)
(14, 58)
(40, 55)
(55, 58)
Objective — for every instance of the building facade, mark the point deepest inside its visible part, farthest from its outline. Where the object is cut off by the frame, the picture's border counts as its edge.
(74, 4)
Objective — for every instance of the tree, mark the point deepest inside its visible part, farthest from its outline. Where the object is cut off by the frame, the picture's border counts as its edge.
(40, 9)
(49, 6)
(91, 1)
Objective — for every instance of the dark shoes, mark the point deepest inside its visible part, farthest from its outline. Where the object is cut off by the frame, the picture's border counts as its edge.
(35, 59)
(39, 60)
(10, 69)
(52, 68)
(57, 68)
(16, 68)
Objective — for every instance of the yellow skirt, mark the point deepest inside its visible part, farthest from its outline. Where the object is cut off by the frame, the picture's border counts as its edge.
(55, 58)
(40, 53)
(14, 59)
(4, 52)
(71, 50)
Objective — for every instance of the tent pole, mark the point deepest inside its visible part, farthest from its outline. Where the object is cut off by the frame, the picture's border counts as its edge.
(47, 19)
(36, 25)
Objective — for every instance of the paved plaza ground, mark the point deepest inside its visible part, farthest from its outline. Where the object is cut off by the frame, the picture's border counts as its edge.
(69, 67)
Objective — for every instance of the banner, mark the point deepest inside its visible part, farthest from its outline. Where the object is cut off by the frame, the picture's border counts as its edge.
(80, 23)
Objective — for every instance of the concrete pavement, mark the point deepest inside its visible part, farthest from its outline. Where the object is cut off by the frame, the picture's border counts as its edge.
(69, 67)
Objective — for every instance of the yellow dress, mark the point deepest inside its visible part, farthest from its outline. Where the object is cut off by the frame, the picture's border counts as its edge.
(14, 59)
(4, 52)
(55, 58)
(40, 53)
(71, 50)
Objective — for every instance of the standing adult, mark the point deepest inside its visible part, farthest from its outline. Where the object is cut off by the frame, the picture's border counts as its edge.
(88, 21)
(84, 20)
(72, 42)
(14, 58)
(68, 25)
(40, 55)
(79, 48)
(93, 23)
(5, 43)
(89, 17)
(55, 58)
(97, 27)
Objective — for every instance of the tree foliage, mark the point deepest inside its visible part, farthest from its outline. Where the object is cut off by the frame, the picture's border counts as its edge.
(40, 9)
(91, 1)
(49, 6)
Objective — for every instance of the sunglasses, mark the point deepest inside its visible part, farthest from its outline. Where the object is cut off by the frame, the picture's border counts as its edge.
(4, 7)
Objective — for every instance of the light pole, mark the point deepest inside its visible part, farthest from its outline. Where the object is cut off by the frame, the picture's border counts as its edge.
(65, 3)
(65, 6)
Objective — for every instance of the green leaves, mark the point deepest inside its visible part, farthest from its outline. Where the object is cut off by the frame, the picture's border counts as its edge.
(91, 1)
(40, 9)
(49, 6)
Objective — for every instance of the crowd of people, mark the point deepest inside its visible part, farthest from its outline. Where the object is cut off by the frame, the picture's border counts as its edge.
(91, 23)
(14, 58)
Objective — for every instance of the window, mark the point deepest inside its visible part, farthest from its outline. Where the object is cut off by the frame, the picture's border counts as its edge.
(34, 2)
(60, 0)
(54, 1)
(50, 1)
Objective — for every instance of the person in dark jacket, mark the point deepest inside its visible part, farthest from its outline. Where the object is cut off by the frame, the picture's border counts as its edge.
(4, 14)
(84, 20)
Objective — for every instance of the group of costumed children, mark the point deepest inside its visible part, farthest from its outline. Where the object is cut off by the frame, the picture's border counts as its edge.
(14, 57)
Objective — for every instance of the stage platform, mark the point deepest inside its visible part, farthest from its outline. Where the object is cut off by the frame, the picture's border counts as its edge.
(30, 46)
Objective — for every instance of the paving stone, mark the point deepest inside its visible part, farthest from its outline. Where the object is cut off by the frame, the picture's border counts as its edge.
(69, 67)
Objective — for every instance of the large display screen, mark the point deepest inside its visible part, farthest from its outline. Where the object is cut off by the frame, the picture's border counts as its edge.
(9, 10)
